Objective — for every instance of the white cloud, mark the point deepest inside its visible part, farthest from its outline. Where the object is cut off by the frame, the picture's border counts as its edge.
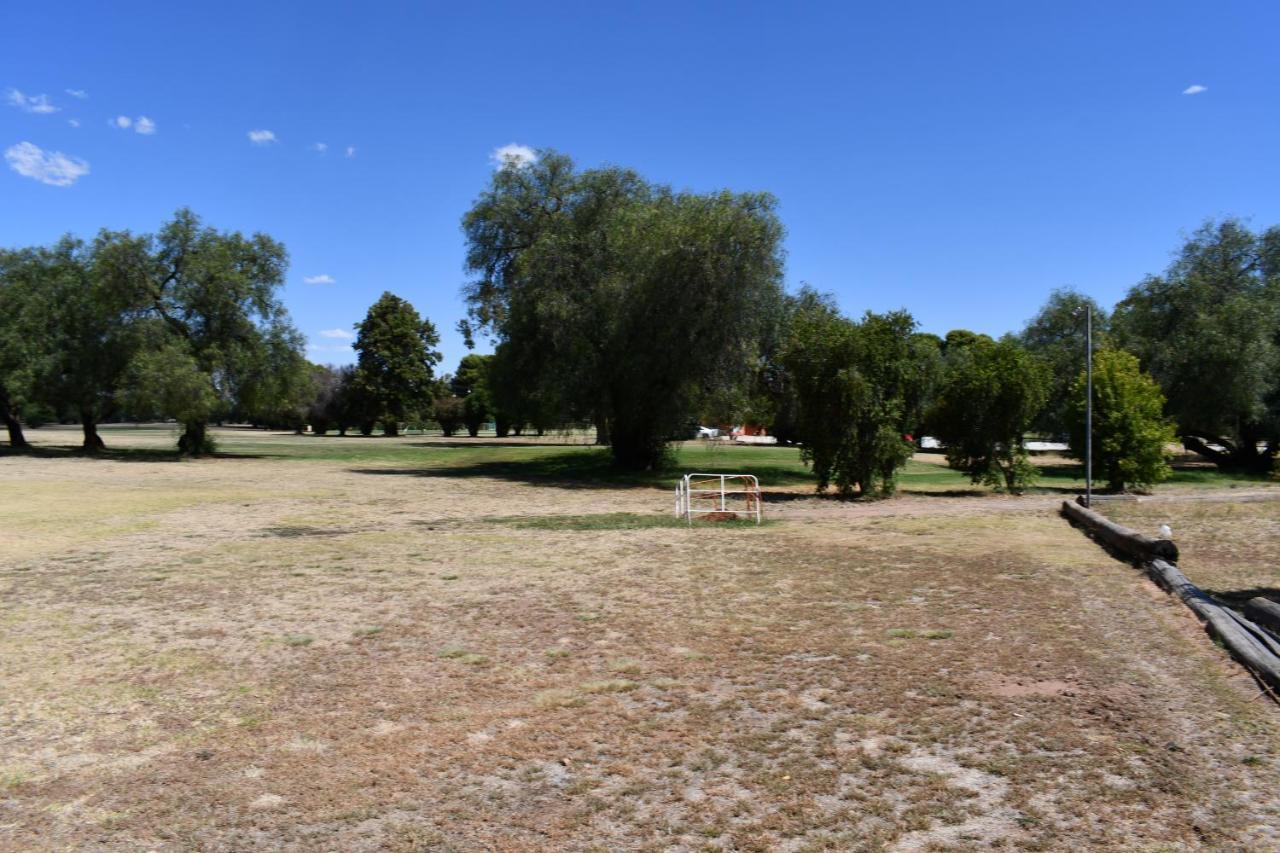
(351, 151)
(319, 279)
(31, 103)
(516, 156)
(320, 147)
(48, 167)
(261, 137)
(329, 347)
(74, 122)
(78, 93)
(340, 334)
(145, 126)
(122, 122)
(1195, 90)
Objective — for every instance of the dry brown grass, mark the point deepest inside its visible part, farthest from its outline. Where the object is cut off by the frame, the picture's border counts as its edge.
(913, 674)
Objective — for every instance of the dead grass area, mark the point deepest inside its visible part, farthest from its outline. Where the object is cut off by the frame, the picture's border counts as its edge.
(1229, 544)
(267, 654)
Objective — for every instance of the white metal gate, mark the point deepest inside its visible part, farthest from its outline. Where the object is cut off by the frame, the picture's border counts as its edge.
(719, 494)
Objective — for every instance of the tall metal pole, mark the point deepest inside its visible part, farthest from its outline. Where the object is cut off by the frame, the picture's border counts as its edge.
(1088, 406)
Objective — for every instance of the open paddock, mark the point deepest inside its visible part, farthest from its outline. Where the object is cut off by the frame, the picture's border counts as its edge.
(420, 644)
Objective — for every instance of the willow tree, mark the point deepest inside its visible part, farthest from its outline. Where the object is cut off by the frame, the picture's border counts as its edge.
(623, 301)
(1208, 330)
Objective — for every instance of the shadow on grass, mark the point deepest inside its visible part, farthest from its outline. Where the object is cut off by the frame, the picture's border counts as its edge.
(1236, 598)
(1183, 475)
(118, 454)
(586, 469)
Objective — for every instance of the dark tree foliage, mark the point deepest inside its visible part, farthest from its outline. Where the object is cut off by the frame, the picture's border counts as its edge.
(395, 362)
(620, 301)
(20, 350)
(449, 413)
(79, 324)
(855, 384)
(1208, 330)
(1056, 335)
(215, 295)
(991, 393)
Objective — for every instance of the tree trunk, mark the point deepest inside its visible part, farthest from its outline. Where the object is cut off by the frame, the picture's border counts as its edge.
(93, 442)
(1238, 457)
(501, 427)
(390, 429)
(14, 426)
(194, 440)
(602, 430)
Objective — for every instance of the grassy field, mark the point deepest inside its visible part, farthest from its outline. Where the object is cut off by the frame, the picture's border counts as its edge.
(420, 644)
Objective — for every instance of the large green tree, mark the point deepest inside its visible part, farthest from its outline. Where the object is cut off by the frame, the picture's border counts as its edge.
(77, 322)
(1057, 336)
(215, 294)
(395, 362)
(1208, 330)
(855, 386)
(20, 350)
(1130, 429)
(990, 396)
(624, 302)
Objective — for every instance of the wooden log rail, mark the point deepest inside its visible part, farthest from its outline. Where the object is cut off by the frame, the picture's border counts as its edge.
(1128, 542)
(1247, 641)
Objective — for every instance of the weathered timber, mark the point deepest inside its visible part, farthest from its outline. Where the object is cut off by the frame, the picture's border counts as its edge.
(1264, 611)
(1223, 623)
(1128, 542)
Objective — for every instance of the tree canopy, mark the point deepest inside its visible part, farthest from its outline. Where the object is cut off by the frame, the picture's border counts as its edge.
(395, 362)
(856, 385)
(622, 301)
(1130, 430)
(1056, 335)
(1208, 330)
(990, 396)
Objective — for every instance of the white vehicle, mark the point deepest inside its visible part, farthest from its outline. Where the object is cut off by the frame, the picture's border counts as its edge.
(708, 432)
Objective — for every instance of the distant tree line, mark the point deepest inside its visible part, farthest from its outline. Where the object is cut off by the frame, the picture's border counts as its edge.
(616, 302)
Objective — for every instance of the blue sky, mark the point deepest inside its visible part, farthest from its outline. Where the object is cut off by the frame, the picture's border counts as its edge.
(956, 159)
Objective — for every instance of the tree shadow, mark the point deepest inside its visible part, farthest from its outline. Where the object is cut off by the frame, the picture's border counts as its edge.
(1237, 598)
(578, 469)
(115, 454)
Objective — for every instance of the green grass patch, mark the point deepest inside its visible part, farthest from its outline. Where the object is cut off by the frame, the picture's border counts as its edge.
(298, 640)
(609, 685)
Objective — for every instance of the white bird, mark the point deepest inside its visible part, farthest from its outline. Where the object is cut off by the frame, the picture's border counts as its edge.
(1166, 532)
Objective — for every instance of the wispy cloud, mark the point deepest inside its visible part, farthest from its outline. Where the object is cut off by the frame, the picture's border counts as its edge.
(141, 124)
(351, 151)
(329, 347)
(74, 122)
(319, 279)
(1195, 90)
(513, 155)
(48, 167)
(338, 334)
(261, 137)
(39, 104)
(78, 93)
(319, 147)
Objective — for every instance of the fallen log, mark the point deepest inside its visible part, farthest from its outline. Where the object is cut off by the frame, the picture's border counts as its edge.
(1128, 542)
(1246, 641)
(1264, 611)
(1226, 625)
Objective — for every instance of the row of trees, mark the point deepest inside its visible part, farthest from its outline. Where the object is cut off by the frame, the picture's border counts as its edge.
(615, 301)
(185, 323)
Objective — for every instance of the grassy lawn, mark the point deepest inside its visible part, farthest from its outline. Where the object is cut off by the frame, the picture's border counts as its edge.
(414, 645)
